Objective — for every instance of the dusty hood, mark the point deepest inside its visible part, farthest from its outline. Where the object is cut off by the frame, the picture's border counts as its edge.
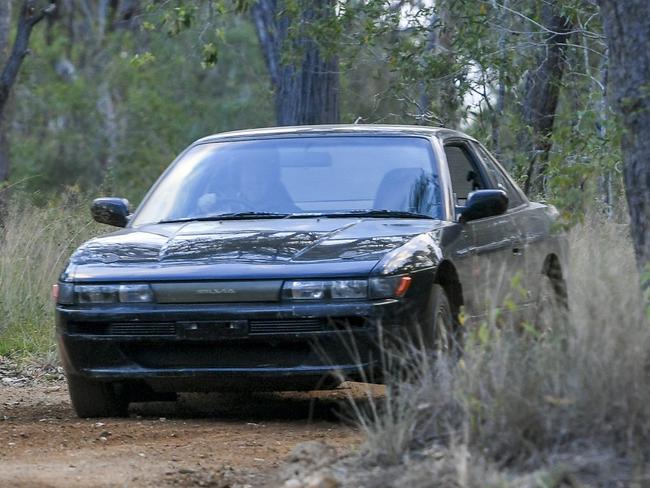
(243, 249)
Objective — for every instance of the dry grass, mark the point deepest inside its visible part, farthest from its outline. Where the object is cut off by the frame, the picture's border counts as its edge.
(578, 401)
(579, 397)
(35, 243)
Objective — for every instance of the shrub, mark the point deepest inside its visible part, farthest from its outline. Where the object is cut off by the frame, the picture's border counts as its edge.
(519, 400)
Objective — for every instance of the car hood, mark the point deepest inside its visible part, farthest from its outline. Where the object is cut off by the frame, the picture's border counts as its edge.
(239, 249)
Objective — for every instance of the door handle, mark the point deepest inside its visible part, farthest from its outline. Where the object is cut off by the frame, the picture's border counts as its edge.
(518, 248)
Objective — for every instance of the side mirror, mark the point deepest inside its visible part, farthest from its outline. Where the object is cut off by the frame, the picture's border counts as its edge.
(484, 203)
(111, 211)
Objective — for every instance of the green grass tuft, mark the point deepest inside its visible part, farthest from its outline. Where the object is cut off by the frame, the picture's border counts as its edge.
(35, 243)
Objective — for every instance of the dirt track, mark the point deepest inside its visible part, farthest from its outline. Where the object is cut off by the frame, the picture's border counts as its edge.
(201, 440)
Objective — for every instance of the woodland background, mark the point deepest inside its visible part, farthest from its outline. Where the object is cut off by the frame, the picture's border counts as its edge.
(112, 90)
(98, 96)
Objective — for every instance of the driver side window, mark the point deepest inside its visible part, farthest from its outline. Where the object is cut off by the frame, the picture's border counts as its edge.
(499, 178)
(465, 176)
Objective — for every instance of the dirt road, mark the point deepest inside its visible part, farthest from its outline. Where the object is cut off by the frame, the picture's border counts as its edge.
(201, 440)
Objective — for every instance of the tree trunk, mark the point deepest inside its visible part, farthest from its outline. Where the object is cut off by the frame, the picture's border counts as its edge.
(30, 15)
(125, 13)
(606, 185)
(426, 90)
(497, 113)
(305, 80)
(449, 100)
(441, 92)
(627, 26)
(5, 27)
(106, 107)
(541, 93)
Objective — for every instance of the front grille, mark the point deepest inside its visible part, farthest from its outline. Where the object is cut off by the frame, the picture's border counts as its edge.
(285, 326)
(125, 329)
(128, 329)
(199, 354)
(211, 330)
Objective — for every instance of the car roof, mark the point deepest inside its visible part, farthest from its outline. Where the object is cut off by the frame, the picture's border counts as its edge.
(341, 129)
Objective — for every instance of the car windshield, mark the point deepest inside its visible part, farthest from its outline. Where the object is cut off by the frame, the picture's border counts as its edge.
(299, 176)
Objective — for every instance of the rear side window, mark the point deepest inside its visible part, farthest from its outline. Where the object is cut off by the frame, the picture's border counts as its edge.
(499, 178)
(465, 178)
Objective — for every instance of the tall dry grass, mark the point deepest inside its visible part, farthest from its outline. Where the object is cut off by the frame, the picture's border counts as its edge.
(35, 243)
(521, 402)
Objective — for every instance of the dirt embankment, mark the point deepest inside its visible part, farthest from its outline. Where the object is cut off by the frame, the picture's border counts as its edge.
(202, 440)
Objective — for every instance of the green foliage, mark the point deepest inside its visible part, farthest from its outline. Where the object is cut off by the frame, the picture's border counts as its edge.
(123, 113)
(134, 97)
(210, 55)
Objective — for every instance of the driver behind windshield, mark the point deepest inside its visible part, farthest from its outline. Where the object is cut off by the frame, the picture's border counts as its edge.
(254, 186)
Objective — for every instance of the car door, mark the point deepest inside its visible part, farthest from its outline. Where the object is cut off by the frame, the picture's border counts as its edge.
(494, 263)
(532, 226)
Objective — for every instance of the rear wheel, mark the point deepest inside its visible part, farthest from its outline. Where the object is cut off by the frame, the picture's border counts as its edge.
(97, 399)
(551, 308)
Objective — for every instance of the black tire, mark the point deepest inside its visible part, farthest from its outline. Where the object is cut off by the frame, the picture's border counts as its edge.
(442, 335)
(551, 307)
(97, 399)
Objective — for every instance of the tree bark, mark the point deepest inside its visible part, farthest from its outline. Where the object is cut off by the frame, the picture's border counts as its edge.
(627, 27)
(305, 79)
(124, 13)
(499, 106)
(30, 15)
(448, 97)
(426, 91)
(441, 92)
(5, 28)
(541, 93)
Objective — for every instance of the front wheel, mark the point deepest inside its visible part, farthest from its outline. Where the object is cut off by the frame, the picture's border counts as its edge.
(97, 399)
(442, 334)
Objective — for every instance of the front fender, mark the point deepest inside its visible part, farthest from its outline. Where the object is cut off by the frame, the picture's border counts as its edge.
(419, 253)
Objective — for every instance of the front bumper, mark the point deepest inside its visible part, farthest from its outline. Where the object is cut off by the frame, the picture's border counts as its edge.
(226, 346)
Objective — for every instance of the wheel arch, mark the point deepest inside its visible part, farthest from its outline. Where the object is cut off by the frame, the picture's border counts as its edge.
(447, 277)
(552, 268)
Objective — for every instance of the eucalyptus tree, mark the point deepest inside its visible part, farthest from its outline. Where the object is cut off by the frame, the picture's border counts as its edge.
(5, 28)
(627, 26)
(30, 13)
(542, 91)
(303, 68)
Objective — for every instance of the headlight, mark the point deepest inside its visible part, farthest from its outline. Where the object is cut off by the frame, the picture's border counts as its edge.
(69, 294)
(325, 290)
(95, 294)
(304, 290)
(342, 289)
(63, 293)
(135, 294)
(389, 286)
(380, 287)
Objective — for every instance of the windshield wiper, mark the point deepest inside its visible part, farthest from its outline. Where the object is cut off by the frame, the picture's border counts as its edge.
(366, 213)
(273, 215)
(229, 216)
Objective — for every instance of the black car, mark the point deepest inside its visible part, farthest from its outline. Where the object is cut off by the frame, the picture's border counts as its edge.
(271, 259)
